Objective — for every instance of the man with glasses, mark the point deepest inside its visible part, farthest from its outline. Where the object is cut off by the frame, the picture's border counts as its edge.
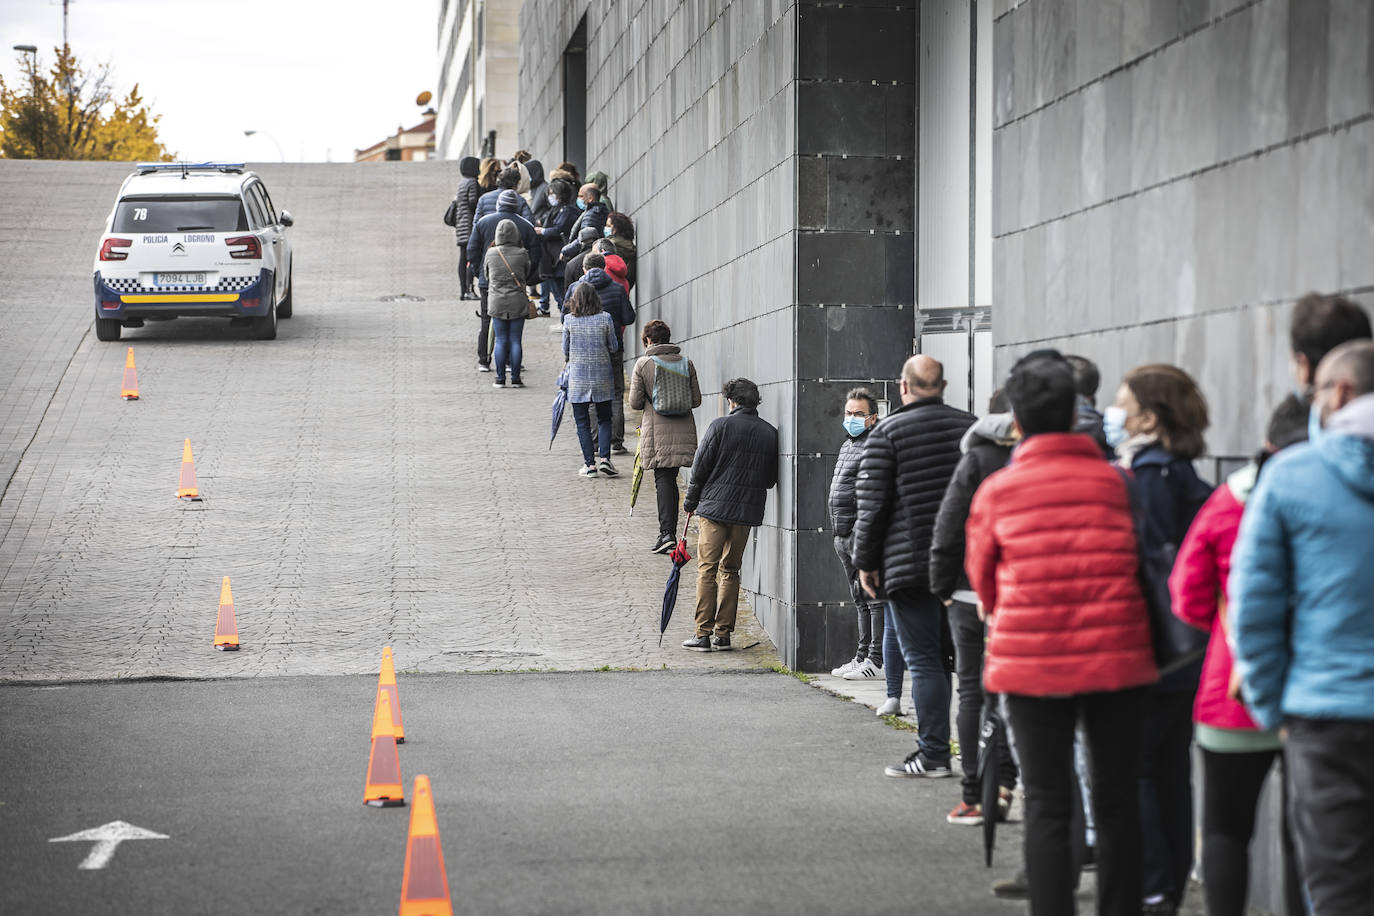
(860, 413)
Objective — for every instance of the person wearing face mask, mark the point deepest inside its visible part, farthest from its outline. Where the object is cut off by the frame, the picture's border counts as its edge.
(1237, 756)
(667, 439)
(860, 414)
(1156, 426)
(620, 229)
(1302, 628)
(559, 218)
(594, 212)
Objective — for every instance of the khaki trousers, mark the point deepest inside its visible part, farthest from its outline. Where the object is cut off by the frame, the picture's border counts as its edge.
(720, 552)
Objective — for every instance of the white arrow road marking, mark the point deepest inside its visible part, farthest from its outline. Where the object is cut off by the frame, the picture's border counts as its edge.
(106, 839)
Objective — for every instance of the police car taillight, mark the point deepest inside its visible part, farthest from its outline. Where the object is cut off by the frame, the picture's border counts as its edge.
(109, 250)
(251, 248)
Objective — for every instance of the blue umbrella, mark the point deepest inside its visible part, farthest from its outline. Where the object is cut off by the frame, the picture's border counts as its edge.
(560, 403)
(679, 556)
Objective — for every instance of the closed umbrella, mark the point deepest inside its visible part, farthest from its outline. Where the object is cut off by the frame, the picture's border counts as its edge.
(679, 556)
(990, 741)
(636, 477)
(560, 403)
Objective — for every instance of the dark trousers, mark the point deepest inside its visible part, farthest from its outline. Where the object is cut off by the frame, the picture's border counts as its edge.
(1231, 791)
(894, 666)
(618, 402)
(1044, 729)
(919, 619)
(969, 636)
(1166, 792)
(582, 415)
(464, 277)
(665, 488)
(1331, 807)
(484, 333)
(871, 612)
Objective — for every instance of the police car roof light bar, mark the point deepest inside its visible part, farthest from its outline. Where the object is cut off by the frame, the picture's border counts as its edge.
(147, 168)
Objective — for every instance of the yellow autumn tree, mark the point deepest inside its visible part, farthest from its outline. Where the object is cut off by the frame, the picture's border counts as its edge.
(70, 114)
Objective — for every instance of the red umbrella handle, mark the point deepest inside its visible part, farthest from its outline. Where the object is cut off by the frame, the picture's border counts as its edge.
(685, 525)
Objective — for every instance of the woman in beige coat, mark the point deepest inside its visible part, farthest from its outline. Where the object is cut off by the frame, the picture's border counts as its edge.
(666, 443)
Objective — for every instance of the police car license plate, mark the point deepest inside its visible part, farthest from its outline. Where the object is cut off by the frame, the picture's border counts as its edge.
(179, 279)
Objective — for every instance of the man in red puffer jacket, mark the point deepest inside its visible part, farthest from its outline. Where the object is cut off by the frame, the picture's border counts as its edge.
(1051, 552)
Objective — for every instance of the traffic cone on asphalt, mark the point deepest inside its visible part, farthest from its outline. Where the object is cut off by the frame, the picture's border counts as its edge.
(187, 489)
(226, 626)
(424, 889)
(130, 389)
(383, 789)
(386, 683)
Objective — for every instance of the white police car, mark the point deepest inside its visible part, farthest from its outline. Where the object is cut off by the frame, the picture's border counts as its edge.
(193, 239)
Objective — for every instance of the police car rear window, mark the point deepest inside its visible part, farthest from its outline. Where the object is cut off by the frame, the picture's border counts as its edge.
(180, 214)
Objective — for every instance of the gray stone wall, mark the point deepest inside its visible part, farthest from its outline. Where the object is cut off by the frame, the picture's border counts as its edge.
(692, 112)
(1171, 177)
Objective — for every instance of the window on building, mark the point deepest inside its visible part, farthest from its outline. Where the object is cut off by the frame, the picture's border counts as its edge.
(393, 155)
(575, 97)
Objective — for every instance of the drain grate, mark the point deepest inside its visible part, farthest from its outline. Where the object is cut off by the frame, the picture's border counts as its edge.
(401, 297)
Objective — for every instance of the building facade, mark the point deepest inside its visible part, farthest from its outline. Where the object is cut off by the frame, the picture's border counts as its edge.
(479, 53)
(822, 189)
(413, 144)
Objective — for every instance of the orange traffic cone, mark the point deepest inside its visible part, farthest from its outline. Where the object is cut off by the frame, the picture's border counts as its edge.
(424, 889)
(383, 789)
(226, 625)
(386, 683)
(130, 390)
(187, 489)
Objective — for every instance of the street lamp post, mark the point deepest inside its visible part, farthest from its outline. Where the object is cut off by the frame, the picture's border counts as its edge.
(280, 154)
(32, 51)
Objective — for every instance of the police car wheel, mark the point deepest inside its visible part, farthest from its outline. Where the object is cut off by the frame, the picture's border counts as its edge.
(284, 307)
(265, 328)
(107, 329)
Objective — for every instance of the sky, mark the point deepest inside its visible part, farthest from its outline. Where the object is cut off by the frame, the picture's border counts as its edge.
(319, 78)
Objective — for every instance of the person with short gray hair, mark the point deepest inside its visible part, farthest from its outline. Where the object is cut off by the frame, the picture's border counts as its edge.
(735, 466)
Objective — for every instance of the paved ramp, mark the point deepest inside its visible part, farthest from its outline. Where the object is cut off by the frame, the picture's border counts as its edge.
(364, 486)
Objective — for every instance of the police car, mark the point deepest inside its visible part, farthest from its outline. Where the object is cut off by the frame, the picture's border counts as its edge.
(193, 239)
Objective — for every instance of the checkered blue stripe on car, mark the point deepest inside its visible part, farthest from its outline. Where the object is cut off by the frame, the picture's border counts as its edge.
(225, 285)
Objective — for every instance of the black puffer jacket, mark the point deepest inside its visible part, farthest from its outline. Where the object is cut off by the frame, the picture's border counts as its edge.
(986, 446)
(907, 463)
(468, 193)
(735, 466)
(843, 508)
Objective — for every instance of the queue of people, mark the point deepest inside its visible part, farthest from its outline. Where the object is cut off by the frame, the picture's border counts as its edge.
(1022, 553)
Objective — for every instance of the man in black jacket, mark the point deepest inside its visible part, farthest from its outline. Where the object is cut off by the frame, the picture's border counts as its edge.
(906, 465)
(860, 413)
(736, 465)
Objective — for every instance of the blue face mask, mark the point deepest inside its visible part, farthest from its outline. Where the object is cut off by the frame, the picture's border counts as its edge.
(1114, 426)
(553, 201)
(581, 204)
(606, 231)
(855, 426)
(1315, 432)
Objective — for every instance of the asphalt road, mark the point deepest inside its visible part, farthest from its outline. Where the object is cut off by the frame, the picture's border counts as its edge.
(647, 792)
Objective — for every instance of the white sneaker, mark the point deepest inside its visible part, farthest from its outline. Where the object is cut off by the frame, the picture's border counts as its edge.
(845, 668)
(863, 671)
(588, 471)
(892, 707)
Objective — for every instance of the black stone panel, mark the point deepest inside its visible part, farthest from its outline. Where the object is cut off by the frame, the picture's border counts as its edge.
(841, 118)
(819, 406)
(813, 193)
(869, 193)
(841, 267)
(856, 42)
(813, 486)
(812, 341)
(867, 343)
(900, 255)
(827, 636)
(820, 578)
(899, 110)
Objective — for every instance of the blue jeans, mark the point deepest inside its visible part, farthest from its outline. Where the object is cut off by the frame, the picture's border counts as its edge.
(551, 290)
(509, 332)
(893, 665)
(917, 617)
(582, 413)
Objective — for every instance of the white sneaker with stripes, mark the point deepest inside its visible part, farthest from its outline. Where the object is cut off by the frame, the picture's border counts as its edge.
(845, 668)
(863, 671)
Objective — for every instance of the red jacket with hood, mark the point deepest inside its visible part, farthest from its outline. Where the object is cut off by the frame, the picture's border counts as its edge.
(1051, 552)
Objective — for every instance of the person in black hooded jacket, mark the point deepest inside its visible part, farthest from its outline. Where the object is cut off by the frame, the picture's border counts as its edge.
(559, 218)
(906, 465)
(466, 206)
(736, 464)
(986, 447)
(538, 192)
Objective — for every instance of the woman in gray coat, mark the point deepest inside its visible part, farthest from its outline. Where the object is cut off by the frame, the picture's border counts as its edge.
(507, 267)
(666, 443)
(589, 343)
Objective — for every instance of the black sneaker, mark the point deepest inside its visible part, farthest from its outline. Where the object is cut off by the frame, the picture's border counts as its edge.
(720, 643)
(917, 764)
(517, 384)
(664, 544)
(699, 644)
(606, 468)
(499, 383)
(619, 448)
(1016, 888)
